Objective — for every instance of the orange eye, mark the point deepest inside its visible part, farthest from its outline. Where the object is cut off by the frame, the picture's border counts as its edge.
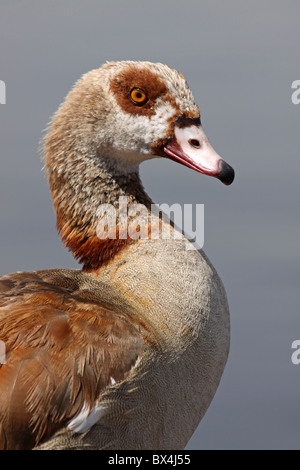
(138, 96)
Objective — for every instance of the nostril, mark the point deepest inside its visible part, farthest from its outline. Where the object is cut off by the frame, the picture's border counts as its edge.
(194, 143)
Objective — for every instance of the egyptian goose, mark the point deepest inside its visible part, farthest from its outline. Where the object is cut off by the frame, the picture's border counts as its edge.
(128, 352)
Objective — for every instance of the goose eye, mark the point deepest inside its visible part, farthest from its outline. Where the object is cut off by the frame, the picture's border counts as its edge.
(138, 96)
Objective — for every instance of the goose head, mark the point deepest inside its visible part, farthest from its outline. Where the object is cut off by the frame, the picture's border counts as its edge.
(114, 118)
(127, 112)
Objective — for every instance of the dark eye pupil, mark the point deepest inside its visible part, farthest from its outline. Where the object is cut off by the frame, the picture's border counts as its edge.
(139, 95)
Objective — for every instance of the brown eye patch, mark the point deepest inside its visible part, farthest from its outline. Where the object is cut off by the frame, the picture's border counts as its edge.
(142, 81)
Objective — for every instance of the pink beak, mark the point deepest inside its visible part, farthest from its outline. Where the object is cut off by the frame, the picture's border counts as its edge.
(191, 148)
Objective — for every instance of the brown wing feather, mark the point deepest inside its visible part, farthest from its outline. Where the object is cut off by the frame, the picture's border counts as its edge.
(62, 347)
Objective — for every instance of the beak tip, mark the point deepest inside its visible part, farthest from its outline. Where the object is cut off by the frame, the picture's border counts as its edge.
(226, 173)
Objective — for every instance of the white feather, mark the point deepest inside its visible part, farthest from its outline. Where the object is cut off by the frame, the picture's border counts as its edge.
(85, 418)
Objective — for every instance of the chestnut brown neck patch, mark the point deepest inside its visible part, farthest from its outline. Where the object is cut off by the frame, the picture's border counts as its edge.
(78, 221)
(93, 252)
(133, 76)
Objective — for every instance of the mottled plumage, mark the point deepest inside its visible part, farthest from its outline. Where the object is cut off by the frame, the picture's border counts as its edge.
(128, 352)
